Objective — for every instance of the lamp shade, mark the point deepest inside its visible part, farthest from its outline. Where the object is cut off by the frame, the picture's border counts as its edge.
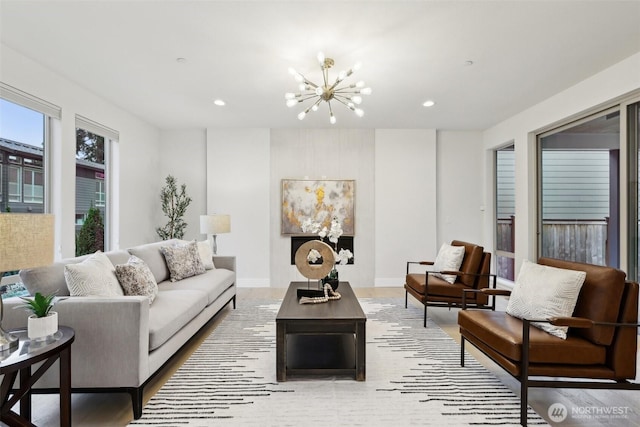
(26, 240)
(215, 224)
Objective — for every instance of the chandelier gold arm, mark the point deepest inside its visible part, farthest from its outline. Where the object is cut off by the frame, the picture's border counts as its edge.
(347, 95)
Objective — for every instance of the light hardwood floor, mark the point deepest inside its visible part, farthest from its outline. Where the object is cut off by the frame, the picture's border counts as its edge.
(114, 410)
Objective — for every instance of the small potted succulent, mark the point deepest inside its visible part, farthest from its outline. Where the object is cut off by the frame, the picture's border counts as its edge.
(42, 322)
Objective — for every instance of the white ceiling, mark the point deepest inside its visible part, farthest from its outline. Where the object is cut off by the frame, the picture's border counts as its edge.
(125, 51)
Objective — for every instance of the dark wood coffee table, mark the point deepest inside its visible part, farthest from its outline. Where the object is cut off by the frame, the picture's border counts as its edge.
(320, 339)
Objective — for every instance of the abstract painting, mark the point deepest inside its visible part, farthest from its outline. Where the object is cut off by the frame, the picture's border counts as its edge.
(320, 201)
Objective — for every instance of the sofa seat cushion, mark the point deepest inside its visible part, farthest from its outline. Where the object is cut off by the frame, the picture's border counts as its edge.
(503, 333)
(437, 286)
(212, 283)
(172, 310)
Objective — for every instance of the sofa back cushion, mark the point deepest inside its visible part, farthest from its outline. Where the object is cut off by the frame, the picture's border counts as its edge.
(150, 253)
(471, 261)
(599, 299)
(50, 279)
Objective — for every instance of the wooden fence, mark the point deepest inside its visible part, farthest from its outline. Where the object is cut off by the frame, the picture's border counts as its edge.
(582, 241)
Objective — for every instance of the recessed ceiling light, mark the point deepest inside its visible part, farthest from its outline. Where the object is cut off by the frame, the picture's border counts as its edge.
(468, 63)
(219, 102)
(181, 60)
(429, 103)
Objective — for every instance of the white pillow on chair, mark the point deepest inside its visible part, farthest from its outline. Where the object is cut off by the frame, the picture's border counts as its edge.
(542, 292)
(449, 258)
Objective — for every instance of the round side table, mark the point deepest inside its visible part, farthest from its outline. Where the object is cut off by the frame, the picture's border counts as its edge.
(21, 360)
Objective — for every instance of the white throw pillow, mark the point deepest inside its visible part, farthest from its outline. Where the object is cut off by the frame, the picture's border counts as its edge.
(93, 277)
(206, 254)
(542, 292)
(449, 258)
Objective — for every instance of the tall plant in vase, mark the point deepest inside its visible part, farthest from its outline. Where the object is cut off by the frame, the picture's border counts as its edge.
(174, 206)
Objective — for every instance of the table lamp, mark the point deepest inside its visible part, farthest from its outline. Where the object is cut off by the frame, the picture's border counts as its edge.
(26, 241)
(215, 224)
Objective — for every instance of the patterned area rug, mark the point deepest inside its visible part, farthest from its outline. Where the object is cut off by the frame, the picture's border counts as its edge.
(413, 378)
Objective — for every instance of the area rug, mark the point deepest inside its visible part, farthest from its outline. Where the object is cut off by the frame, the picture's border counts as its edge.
(413, 378)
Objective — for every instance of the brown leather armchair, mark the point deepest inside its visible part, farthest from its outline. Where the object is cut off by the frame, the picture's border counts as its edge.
(601, 345)
(474, 273)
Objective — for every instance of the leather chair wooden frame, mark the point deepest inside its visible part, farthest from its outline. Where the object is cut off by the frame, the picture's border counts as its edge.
(474, 273)
(601, 345)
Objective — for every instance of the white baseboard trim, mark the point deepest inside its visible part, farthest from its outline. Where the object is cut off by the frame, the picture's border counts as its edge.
(253, 283)
(389, 283)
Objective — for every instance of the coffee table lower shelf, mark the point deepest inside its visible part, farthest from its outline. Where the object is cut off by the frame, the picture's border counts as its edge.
(321, 340)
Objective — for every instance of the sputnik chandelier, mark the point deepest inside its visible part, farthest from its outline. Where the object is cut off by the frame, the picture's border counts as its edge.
(348, 95)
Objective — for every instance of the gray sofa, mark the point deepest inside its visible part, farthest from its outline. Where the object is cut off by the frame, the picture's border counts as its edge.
(121, 342)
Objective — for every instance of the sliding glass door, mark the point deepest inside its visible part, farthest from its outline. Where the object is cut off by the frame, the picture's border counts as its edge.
(579, 193)
(505, 212)
(633, 138)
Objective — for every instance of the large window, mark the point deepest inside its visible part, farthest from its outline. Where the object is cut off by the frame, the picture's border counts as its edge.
(579, 191)
(92, 215)
(505, 212)
(90, 203)
(22, 158)
(633, 134)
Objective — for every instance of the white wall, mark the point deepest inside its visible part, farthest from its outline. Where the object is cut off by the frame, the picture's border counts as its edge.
(405, 205)
(324, 154)
(237, 183)
(138, 166)
(399, 194)
(460, 196)
(184, 157)
(600, 90)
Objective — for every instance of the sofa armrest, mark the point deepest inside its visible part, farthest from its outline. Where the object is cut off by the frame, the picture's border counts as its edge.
(228, 262)
(111, 348)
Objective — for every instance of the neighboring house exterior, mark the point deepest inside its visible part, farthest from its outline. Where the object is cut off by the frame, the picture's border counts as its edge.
(22, 181)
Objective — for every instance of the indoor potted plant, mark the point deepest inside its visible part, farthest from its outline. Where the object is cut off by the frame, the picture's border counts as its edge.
(42, 322)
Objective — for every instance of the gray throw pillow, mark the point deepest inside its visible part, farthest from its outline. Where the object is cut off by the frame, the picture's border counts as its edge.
(136, 278)
(183, 260)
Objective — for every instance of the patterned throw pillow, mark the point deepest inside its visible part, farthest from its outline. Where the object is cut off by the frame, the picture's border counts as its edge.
(449, 258)
(206, 255)
(183, 260)
(542, 292)
(93, 277)
(136, 278)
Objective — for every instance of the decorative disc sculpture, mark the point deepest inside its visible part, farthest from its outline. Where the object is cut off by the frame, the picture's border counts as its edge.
(314, 271)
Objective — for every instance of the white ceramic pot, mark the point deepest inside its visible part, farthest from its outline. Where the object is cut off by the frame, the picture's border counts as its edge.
(40, 327)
